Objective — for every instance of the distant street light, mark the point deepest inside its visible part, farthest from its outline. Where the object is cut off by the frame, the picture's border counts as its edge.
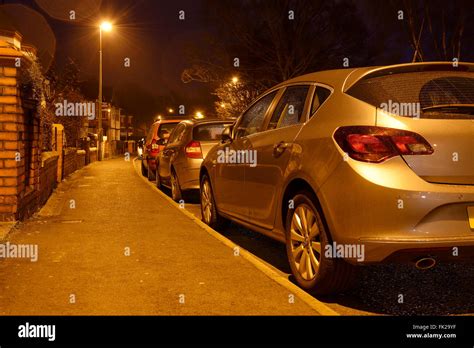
(235, 79)
(199, 115)
(170, 110)
(104, 26)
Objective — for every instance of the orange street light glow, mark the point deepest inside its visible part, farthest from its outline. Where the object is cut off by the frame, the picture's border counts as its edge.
(106, 26)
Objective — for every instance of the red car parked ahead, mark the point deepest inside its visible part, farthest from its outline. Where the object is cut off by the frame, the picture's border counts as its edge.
(154, 143)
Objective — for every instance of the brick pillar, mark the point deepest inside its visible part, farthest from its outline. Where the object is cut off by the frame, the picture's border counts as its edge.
(12, 162)
(20, 156)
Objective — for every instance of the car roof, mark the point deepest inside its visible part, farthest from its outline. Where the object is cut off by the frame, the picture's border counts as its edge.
(170, 120)
(208, 121)
(343, 79)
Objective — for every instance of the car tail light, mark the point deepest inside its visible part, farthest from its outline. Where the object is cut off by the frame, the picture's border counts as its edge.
(193, 149)
(377, 144)
(154, 146)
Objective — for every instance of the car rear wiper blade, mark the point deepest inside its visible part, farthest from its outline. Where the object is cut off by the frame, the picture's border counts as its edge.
(449, 107)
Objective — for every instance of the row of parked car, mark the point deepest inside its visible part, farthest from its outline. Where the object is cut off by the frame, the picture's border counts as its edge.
(339, 177)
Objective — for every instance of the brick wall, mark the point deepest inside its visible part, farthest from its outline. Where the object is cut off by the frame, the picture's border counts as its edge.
(80, 159)
(49, 167)
(19, 148)
(20, 155)
(27, 177)
(70, 164)
(92, 154)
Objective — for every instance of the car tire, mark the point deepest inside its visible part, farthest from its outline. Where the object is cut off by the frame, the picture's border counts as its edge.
(176, 193)
(209, 212)
(151, 175)
(144, 170)
(158, 180)
(327, 275)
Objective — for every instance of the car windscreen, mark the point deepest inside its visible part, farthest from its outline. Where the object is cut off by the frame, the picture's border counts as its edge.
(435, 94)
(209, 132)
(166, 128)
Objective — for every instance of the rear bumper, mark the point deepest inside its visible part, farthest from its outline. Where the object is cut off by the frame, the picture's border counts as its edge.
(397, 251)
(389, 210)
(151, 163)
(439, 253)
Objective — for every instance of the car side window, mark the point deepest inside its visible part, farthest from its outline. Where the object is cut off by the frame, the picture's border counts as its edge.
(289, 110)
(180, 134)
(175, 135)
(319, 98)
(252, 120)
(149, 136)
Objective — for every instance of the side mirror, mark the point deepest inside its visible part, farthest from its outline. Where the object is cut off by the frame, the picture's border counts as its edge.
(226, 134)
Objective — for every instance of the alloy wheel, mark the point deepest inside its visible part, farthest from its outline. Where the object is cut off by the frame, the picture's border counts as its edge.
(305, 241)
(175, 190)
(206, 202)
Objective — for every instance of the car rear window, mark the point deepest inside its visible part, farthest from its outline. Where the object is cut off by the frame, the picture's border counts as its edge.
(436, 94)
(166, 127)
(209, 132)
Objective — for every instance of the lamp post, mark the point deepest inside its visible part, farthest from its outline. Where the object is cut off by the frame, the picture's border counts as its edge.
(104, 26)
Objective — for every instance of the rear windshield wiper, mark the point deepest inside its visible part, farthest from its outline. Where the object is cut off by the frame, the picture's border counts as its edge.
(458, 108)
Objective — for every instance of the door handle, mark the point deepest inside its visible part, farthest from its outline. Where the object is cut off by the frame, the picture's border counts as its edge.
(279, 148)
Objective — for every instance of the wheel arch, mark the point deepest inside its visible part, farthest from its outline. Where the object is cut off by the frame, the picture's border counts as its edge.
(294, 186)
(203, 171)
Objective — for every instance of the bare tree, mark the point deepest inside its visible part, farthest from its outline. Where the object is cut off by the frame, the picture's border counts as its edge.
(266, 42)
(436, 26)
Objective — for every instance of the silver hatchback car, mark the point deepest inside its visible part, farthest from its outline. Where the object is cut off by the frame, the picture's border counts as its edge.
(351, 167)
(179, 162)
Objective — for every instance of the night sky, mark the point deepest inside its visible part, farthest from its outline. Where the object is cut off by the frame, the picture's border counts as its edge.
(150, 33)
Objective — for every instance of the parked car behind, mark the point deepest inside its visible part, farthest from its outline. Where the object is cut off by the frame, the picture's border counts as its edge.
(179, 162)
(354, 167)
(155, 142)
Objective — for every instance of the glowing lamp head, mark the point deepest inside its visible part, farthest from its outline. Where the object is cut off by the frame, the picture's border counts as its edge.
(106, 26)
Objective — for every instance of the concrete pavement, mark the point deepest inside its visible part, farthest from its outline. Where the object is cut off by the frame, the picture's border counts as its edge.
(108, 245)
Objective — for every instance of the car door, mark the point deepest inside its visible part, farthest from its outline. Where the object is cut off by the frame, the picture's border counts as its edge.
(149, 138)
(229, 182)
(273, 148)
(169, 151)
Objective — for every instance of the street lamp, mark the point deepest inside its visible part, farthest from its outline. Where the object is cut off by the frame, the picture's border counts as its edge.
(170, 110)
(104, 26)
(199, 115)
(235, 79)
